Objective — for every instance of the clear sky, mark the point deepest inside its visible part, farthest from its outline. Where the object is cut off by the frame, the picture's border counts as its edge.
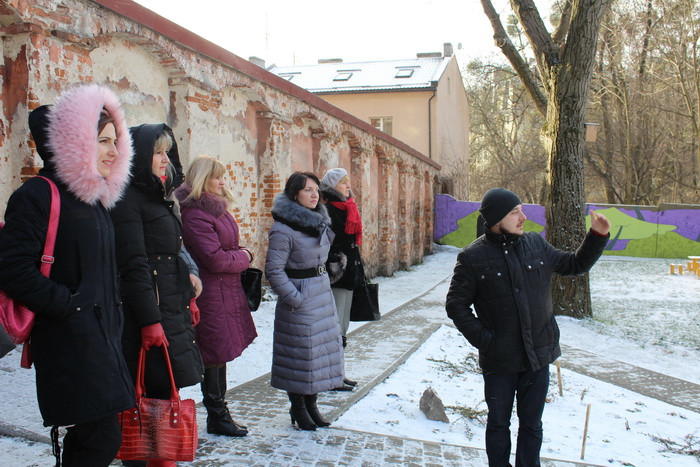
(285, 32)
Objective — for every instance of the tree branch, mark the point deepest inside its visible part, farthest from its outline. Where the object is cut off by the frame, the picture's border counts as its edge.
(563, 28)
(503, 42)
(546, 51)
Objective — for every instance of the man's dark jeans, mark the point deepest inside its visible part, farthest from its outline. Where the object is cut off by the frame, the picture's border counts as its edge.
(530, 387)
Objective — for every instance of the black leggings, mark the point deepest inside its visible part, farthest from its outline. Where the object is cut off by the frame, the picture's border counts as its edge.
(92, 444)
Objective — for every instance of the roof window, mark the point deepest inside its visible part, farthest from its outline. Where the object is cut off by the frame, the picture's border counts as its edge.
(343, 76)
(404, 72)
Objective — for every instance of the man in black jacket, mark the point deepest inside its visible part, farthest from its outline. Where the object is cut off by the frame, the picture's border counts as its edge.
(505, 275)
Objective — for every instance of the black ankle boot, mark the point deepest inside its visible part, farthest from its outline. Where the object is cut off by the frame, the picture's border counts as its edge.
(312, 408)
(219, 421)
(298, 412)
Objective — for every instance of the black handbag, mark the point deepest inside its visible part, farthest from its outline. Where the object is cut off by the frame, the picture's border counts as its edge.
(6, 343)
(251, 280)
(365, 303)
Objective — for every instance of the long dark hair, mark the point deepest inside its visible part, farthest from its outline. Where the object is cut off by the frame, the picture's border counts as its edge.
(296, 182)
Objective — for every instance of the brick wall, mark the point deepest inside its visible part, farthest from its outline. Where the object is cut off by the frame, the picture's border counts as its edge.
(261, 126)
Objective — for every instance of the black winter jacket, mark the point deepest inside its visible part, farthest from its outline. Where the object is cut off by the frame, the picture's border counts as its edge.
(155, 281)
(344, 263)
(507, 279)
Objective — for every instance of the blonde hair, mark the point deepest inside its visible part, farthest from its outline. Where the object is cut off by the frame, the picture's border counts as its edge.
(202, 169)
(164, 142)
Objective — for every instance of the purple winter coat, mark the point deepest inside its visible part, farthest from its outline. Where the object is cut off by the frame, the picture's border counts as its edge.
(210, 234)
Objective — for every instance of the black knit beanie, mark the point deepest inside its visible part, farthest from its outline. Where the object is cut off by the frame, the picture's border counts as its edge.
(497, 202)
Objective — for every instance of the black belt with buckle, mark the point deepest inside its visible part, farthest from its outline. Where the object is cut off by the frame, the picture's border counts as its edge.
(306, 273)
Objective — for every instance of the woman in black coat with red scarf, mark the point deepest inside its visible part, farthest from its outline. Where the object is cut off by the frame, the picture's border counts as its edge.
(344, 264)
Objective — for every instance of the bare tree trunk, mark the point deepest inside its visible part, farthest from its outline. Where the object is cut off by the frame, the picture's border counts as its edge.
(565, 73)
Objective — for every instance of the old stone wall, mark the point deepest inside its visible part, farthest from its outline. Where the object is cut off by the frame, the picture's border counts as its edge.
(261, 126)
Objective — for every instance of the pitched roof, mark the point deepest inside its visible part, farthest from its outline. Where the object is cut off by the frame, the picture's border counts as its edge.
(384, 75)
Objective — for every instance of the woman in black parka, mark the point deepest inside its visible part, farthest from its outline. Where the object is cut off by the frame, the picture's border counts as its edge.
(81, 379)
(155, 282)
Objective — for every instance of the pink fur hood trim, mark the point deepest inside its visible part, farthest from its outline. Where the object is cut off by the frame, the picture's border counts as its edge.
(72, 132)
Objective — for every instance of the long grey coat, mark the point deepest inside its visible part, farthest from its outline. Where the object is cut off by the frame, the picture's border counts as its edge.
(307, 348)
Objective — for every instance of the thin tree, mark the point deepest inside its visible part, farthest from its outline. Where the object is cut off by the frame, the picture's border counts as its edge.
(565, 62)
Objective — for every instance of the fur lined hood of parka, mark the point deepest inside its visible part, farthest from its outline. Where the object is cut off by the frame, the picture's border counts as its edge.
(310, 221)
(66, 139)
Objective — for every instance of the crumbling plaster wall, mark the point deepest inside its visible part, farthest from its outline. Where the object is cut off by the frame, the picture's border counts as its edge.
(260, 131)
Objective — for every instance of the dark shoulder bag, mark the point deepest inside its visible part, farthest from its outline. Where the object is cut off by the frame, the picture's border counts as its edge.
(251, 280)
(365, 302)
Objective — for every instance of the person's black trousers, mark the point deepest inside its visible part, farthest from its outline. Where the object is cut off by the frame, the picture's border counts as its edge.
(92, 444)
(530, 389)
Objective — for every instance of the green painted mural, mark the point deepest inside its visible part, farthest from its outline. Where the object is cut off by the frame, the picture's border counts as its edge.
(665, 231)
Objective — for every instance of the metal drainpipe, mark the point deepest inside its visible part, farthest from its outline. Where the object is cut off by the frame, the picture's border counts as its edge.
(430, 121)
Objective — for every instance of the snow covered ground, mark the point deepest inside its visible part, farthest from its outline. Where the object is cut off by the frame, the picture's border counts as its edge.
(642, 316)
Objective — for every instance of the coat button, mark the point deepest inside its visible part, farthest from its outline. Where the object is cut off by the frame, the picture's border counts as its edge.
(499, 274)
(516, 290)
(529, 266)
(506, 251)
(541, 263)
(483, 277)
(77, 309)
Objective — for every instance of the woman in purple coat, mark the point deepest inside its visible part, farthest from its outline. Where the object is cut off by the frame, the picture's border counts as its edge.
(226, 326)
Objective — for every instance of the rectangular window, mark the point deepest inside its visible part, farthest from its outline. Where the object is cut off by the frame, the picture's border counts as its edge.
(404, 72)
(343, 76)
(382, 123)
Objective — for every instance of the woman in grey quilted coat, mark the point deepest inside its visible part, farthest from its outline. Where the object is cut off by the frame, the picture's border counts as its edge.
(307, 351)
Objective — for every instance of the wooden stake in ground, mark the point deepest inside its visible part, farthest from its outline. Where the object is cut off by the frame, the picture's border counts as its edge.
(561, 392)
(585, 431)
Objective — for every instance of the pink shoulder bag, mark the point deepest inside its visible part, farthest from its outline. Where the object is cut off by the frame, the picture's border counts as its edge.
(15, 317)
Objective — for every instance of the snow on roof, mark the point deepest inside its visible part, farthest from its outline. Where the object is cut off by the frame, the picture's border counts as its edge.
(337, 77)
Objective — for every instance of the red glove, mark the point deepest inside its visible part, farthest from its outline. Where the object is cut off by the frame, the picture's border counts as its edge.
(194, 310)
(153, 336)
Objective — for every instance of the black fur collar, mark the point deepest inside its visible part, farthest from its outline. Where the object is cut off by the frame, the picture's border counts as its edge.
(311, 222)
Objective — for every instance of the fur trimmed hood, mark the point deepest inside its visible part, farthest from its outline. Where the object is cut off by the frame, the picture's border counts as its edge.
(208, 202)
(296, 216)
(69, 131)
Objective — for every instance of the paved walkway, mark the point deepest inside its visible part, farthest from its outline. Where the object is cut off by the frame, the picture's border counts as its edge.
(375, 351)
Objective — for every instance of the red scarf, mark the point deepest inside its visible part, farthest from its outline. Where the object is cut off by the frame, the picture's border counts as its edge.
(353, 223)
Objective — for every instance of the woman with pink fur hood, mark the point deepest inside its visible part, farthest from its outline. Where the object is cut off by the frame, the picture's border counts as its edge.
(81, 377)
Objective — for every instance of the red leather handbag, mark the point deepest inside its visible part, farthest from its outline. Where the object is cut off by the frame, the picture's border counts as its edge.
(157, 429)
(15, 317)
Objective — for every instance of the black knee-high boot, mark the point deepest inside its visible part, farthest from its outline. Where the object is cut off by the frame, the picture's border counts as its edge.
(222, 388)
(312, 408)
(299, 413)
(219, 420)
